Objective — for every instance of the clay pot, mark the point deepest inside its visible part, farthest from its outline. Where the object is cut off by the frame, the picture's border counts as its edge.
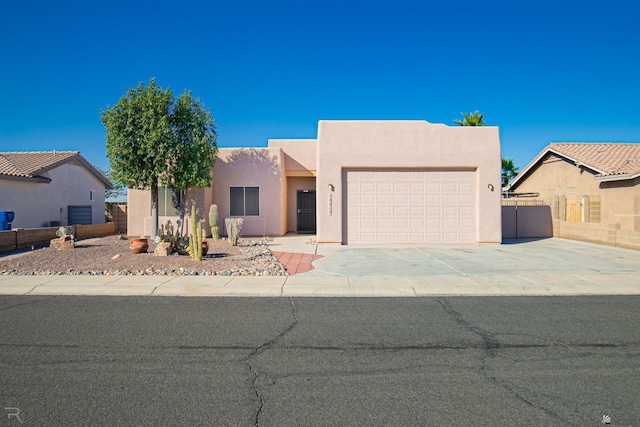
(205, 247)
(138, 246)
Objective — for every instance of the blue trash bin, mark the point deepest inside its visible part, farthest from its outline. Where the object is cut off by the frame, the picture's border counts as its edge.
(6, 218)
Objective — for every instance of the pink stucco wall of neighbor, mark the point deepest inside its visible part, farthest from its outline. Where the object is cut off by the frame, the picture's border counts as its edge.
(406, 145)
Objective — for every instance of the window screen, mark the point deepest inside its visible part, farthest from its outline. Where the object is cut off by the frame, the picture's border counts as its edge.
(244, 201)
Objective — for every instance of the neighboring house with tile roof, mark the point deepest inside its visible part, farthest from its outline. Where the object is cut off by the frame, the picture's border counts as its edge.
(51, 187)
(596, 183)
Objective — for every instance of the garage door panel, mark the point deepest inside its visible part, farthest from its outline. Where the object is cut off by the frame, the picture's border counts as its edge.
(466, 211)
(449, 236)
(400, 211)
(466, 199)
(418, 199)
(450, 200)
(466, 224)
(417, 206)
(433, 200)
(384, 210)
(466, 188)
(385, 223)
(450, 223)
(367, 211)
(384, 187)
(434, 211)
(400, 223)
(465, 236)
(434, 224)
(418, 237)
(416, 223)
(384, 199)
(400, 237)
(450, 210)
(418, 211)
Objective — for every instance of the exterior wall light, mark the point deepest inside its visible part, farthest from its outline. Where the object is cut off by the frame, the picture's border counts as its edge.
(490, 187)
(331, 187)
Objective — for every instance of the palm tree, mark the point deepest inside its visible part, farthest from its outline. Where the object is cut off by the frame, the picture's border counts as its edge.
(509, 170)
(472, 119)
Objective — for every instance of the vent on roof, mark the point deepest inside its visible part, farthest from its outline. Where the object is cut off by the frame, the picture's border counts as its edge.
(601, 151)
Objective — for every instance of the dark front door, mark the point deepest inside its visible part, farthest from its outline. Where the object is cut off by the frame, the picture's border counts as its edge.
(306, 204)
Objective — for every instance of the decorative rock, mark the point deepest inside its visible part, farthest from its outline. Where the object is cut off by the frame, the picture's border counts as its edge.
(162, 249)
(67, 244)
(63, 242)
(116, 256)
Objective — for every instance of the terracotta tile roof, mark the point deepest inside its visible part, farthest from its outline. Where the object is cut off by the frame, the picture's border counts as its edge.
(30, 165)
(608, 159)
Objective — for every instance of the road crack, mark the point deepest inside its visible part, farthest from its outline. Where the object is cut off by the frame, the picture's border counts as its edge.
(490, 343)
(260, 350)
(491, 346)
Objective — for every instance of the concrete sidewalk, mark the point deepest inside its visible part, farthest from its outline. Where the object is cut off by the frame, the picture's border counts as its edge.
(516, 268)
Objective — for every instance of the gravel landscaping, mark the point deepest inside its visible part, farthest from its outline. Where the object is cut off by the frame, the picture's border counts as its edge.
(111, 256)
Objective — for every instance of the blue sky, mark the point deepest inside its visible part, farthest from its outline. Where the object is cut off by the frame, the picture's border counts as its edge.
(542, 71)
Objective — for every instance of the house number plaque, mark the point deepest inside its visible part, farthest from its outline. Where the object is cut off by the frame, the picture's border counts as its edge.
(330, 204)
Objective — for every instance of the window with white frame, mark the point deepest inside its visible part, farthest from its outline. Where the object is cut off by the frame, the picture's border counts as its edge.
(244, 201)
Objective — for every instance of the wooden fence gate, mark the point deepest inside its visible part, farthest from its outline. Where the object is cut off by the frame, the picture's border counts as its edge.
(574, 211)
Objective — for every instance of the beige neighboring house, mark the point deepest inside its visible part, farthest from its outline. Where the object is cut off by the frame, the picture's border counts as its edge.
(51, 188)
(593, 189)
(359, 182)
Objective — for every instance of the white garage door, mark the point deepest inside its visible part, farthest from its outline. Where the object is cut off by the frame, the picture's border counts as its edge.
(409, 206)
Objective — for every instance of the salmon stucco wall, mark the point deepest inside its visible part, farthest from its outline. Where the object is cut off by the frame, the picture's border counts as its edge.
(407, 144)
(299, 155)
(252, 167)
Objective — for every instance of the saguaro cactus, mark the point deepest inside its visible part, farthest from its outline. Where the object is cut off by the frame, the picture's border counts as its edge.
(195, 240)
(213, 222)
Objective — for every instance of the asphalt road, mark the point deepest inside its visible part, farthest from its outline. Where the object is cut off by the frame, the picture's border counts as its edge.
(319, 361)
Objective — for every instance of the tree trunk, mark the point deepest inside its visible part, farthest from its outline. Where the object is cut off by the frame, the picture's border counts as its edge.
(154, 211)
(182, 195)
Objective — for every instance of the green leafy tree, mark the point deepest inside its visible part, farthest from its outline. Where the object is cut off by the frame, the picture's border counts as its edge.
(194, 152)
(155, 139)
(509, 170)
(472, 119)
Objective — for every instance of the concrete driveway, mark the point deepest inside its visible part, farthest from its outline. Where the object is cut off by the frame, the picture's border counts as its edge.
(517, 267)
(513, 257)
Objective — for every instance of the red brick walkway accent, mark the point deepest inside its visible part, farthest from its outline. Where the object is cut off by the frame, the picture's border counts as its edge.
(296, 262)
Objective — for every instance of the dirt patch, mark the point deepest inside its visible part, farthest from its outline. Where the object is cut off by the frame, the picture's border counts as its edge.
(110, 255)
